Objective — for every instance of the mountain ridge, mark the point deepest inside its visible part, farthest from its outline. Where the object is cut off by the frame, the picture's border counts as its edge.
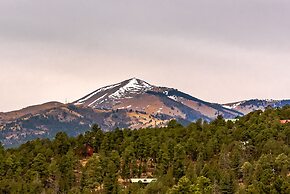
(132, 104)
(247, 106)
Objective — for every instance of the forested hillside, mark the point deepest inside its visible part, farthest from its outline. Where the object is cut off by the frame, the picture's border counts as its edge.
(248, 156)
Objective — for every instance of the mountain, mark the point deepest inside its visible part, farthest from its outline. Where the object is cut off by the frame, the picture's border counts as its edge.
(248, 106)
(138, 95)
(132, 104)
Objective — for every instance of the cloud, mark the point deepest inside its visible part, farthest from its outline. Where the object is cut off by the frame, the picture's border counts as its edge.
(217, 50)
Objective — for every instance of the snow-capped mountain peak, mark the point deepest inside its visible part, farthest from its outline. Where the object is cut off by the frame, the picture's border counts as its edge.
(115, 92)
(136, 94)
(130, 86)
(135, 84)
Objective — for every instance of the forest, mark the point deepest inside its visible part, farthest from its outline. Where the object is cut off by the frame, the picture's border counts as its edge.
(250, 155)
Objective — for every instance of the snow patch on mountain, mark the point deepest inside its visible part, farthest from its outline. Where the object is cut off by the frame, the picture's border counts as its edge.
(116, 91)
(97, 100)
(233, 105)
(133, 86)
(173, 97)
(81, 101)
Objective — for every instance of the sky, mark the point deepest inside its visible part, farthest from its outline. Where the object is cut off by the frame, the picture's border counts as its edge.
(219, 51)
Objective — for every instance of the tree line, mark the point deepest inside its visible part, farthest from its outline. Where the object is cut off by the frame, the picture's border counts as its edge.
(250, 155)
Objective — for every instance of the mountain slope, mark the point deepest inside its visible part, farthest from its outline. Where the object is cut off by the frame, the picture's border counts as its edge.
(73, 120)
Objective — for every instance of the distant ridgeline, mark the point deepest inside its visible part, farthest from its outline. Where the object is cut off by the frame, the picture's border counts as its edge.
(248, 155)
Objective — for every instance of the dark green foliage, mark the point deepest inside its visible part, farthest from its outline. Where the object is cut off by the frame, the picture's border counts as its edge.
(248, 156)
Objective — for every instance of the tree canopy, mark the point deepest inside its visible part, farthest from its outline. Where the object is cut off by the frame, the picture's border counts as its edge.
(250, 155)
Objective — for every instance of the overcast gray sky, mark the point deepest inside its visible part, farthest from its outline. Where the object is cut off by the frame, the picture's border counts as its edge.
(219, 51)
